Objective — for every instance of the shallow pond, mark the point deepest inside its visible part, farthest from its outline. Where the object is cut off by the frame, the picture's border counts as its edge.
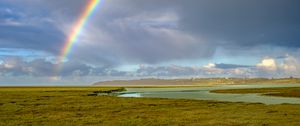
(203, 93)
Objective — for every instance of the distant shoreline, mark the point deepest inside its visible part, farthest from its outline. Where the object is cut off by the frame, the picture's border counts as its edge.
(197, 82)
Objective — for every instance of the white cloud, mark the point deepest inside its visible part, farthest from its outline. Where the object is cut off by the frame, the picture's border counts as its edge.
(268, 64)
(290, 65)
(284, 67)
(210, 65)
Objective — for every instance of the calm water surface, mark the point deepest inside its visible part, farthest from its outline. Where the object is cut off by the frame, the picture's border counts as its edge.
(202, 93)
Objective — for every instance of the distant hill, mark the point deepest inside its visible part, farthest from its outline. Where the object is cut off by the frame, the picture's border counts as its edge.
(198, 81)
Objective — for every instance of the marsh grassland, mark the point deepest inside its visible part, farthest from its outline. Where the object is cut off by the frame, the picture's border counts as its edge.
(281, 91)
(73, 106)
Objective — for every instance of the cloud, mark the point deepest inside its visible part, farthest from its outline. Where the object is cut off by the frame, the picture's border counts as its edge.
(268, 64)
(244, 23)
(230, 66)
(180, 71)
(18, 28)
(268, 67)
(288, 66)
(210, 65)
(132, 32)
(42, 70)
(152, 31)
(18, 66)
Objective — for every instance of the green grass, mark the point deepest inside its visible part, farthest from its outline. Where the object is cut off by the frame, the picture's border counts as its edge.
(282, 91)
(72, 106)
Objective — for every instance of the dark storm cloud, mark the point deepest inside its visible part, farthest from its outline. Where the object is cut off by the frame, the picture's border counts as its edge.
(235, 22)
(141, 36)
(43, 39)
(147, 31)
(244, 22)
(124, 32)
(25, 31)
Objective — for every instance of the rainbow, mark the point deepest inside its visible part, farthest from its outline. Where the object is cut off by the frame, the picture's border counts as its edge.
(77, 28)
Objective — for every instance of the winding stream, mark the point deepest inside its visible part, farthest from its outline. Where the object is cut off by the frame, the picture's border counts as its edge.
(203, 93)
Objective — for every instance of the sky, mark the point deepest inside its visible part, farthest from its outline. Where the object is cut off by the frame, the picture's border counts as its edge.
(133, 39)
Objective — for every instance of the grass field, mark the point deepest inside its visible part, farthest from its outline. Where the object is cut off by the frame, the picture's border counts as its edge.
(73, 106)
(283, 91)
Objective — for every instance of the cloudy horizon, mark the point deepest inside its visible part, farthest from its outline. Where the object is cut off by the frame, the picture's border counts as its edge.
(132, 39)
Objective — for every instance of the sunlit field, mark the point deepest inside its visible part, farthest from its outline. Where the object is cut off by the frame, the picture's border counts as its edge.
(283, 92)
(73, 106)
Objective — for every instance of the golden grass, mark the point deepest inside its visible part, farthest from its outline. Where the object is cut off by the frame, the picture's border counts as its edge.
(71, 106)
(58, 89)
(282, 91)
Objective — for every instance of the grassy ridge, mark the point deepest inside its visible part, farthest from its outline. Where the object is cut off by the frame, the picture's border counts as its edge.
(58, 89)
(282, 91)
(72, 106)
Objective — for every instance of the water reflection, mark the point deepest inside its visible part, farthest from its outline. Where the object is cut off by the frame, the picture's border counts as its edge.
(133, 95)
(204, 94)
